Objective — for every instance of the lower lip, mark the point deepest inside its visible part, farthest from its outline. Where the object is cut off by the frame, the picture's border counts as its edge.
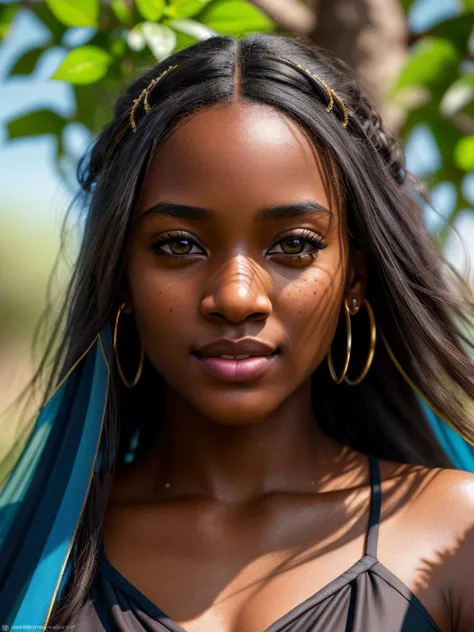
(236, 370)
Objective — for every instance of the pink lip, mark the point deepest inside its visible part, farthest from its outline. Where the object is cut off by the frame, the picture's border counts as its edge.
(236, 370)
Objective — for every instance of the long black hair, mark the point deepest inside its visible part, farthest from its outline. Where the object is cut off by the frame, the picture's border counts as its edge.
(421, 305)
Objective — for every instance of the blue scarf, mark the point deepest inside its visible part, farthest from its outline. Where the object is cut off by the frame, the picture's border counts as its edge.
(42, 497)
(43, 494)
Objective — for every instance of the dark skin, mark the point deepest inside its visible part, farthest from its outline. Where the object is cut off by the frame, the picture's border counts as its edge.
(243, 504)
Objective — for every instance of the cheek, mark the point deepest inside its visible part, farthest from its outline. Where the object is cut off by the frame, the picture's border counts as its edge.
(309, 309)
(161, 306)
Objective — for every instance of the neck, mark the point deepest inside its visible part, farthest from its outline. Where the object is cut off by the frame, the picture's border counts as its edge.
(285, 451)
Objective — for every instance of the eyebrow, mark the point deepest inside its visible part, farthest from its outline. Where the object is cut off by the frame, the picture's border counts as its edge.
(274, 212)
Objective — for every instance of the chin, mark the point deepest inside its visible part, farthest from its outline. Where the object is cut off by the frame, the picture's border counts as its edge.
(238, 408)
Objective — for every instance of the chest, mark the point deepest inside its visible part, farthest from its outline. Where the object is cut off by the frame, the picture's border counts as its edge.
(253, 571)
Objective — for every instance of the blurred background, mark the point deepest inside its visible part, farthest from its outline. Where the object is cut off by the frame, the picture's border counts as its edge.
(62, 63)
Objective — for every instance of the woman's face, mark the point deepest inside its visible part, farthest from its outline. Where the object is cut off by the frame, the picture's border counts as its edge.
(215, 265)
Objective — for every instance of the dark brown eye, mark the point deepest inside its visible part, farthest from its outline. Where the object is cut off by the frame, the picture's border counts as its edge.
(294, 245)
(175, 245)
(180, 246)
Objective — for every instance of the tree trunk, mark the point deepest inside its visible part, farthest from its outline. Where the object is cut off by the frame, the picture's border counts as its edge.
(371, 36)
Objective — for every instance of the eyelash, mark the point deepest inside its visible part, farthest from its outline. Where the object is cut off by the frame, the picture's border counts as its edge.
(315, 240)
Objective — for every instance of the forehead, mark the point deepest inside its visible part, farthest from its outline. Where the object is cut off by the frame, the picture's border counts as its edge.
(234, 156)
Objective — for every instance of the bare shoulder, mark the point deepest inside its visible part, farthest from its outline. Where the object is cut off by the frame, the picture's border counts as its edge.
(438, 511)
(445, 494)
(454, 488)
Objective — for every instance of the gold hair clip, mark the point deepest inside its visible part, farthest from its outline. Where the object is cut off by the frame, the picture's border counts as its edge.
(332, 95)
(330, 92)
(144, 94)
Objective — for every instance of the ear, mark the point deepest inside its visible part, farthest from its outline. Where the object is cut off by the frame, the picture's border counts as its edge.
(357, 280)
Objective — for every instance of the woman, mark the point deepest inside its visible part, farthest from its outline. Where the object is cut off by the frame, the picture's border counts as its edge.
(246, 200)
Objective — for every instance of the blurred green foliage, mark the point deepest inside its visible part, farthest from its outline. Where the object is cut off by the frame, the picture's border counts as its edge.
(27, 255)
(125, 37)
(436, 89)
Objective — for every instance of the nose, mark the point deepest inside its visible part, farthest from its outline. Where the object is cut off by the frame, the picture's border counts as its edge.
(237, 291)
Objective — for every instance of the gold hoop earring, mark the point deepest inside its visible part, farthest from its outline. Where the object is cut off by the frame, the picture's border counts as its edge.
(339, 379)
(373, 338)
(142, 355)
(370, 357)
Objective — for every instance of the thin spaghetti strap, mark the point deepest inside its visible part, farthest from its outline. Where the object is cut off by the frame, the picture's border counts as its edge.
(375, 505)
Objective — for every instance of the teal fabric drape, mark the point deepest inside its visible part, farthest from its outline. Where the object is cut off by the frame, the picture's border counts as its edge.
(42, 499)
(457, 449)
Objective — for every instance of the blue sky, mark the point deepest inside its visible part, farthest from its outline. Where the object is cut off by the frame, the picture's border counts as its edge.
(29, 183)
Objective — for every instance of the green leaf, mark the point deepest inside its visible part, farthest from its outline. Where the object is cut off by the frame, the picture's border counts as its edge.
(121, 11)
(75, 12)
(186, 8)
(196, 30)
(183, 40)
(7, 13)
(457, 30)
(468, 5)
(151, 10)
(458, 96)
(464, 153)
(160, 39)
(235, 17)
(84, 65)
(26, 63)
(433, 61)
(35, 123)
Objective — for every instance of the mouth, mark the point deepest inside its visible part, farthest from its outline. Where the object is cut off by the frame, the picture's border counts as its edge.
(241, 368)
